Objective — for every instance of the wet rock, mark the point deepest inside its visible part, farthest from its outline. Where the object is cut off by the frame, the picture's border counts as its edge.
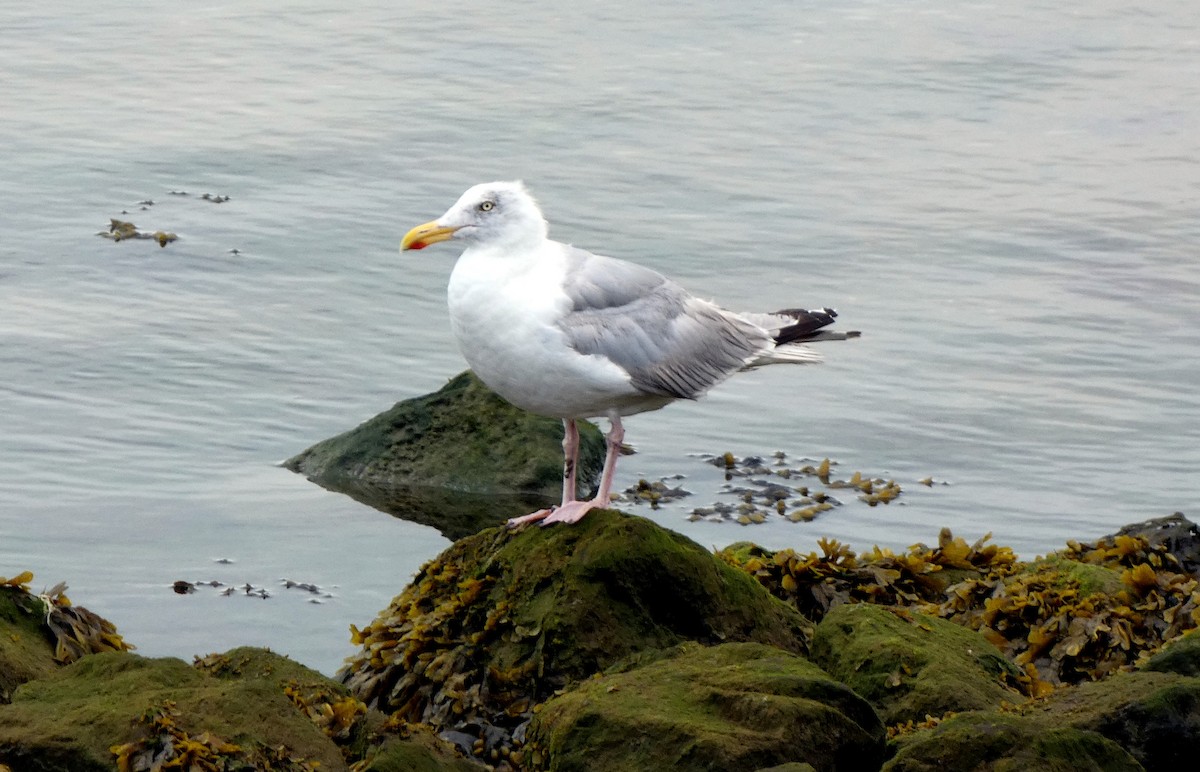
(911, 665)
(733, 706)
(994, 741)
(463, 439)
(503, 619)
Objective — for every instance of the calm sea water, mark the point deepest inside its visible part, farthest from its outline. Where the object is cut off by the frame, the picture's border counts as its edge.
(1004, 198)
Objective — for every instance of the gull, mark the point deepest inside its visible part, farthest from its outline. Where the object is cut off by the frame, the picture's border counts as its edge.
(565, 333)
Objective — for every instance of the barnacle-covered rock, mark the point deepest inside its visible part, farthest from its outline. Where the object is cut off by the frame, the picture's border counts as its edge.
(413, 459)
(501, 620)
(734, 706)
(1004, 742)
(911, 665)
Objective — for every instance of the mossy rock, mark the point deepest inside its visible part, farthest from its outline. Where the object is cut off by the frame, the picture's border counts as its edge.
(910, 665)
(419, 751)
(733, 706)
(1089, 578)
(503, 619)
(1005, 742)
(1154, 716)
(26, 651)
(73, 718)
(1180, 656)
(463, 438)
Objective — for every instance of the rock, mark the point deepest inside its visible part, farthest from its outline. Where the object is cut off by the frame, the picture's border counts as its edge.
(1181, 656)
(419, 751)
(733, 706)
(502, 619)
(910, 665)
(39, 632)
(1180, 537)
(456, 449)
(85, 715)
(1005, 742)
(26, 652)
(1154, 716)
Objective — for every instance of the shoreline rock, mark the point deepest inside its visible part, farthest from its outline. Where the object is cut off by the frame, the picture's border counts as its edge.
(460, 459)
(618, 644)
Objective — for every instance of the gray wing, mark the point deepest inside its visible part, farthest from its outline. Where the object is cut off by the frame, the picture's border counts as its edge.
(669, 342)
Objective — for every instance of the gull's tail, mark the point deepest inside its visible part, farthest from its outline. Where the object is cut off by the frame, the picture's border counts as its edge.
(793, 327)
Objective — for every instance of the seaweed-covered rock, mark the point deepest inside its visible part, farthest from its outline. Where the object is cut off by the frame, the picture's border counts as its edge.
(1005, 742)
(910, 665)
(417, 751)
(733, 706)
(463, 437)
(110, 707)
(25, 650)
(502, 619)
(1154, 716)
(38, 632)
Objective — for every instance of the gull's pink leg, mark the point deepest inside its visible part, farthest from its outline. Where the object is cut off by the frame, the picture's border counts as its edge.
(570, 459)
(570, 446)
(573, 512)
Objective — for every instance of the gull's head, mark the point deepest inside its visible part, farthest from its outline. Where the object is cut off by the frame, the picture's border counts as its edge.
(489, 214)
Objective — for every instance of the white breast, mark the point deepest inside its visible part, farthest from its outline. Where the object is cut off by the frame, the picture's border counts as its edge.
(504, 312)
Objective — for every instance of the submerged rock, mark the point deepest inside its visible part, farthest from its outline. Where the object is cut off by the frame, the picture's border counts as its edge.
(911, 665)
(734, 706)
(503, 619)
(411, 460)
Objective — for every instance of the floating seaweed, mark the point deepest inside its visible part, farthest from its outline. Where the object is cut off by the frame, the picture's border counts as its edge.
(797, 493)
(120, 230)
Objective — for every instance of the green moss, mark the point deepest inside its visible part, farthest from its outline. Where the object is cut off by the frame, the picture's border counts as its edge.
(502, 619)
(911, 665)
(1181, 656)
(1002, 742)
(78, 713)
(1088, 577)
(420, 751)
(734, 706)
(26, 651)
(1155, 716)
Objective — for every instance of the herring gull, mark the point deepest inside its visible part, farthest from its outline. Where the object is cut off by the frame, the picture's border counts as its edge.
(565, 333)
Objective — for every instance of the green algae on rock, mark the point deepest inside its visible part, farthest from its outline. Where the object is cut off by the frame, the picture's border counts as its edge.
(1155, 716)
(38, 632)
(463, 438)
(83, 715)
(1003, 742)
(910, 665)
(503, 619)
(731, 706)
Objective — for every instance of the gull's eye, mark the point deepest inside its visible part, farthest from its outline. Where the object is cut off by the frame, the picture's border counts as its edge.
(487, 206)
